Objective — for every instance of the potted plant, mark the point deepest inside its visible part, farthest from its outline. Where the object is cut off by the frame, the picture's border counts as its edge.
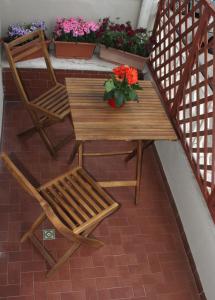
(75, 38)
(122, 86)
(18, 30)
(121, 43)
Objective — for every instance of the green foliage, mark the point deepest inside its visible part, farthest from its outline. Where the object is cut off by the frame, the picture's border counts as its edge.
(121, 91)
(124, 37)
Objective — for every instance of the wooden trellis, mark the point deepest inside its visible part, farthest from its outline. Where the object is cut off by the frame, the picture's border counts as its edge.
(183, 66)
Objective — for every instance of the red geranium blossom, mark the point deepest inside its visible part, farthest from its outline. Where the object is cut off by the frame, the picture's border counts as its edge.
(131, 75)
(127, 72)
(120, 72)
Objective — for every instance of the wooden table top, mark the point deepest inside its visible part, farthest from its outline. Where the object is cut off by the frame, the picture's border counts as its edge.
(94, 119)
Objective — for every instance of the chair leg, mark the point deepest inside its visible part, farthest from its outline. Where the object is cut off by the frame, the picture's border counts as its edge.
(47, 142)
(44, 122)
(33, 227)
(40, 124)
(74, 247)
(131, 155)
(64, 258)
(138, 170)
(134, 152)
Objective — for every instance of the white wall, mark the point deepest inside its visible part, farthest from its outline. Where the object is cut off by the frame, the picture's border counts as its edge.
(13, 11)
(196, 219)
(147, 14)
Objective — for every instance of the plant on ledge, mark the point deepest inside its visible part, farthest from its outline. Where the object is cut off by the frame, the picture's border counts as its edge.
(133, 45)
(80, 36)
(18, 30)
(122, 86)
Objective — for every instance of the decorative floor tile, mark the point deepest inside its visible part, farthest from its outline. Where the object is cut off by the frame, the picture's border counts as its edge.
(48, 234)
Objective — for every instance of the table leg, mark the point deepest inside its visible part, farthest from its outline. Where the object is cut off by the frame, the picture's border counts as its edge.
(74, 151)
(80, 154)
(134, 152)
(138, 170)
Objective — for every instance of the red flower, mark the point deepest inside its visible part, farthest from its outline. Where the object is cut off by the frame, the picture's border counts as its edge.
(131, 75)
(131, 33)
(120, 72)
(127, 72)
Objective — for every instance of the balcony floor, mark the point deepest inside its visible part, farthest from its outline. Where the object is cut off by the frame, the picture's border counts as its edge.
(143, 256)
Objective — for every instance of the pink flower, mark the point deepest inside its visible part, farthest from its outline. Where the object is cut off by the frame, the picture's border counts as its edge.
(75, 26)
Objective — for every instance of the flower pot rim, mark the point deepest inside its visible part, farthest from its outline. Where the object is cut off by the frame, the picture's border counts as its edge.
(68, 42)
(126, 52)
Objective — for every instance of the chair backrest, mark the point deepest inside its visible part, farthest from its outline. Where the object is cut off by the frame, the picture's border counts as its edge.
(27, 186)
(22, 47)
(18, 175)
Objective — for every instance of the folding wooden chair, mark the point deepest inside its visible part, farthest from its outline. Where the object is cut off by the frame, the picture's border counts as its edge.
(73, 202)
(50, 107)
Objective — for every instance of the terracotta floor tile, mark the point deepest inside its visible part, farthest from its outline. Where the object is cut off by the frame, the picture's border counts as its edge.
(143, 256)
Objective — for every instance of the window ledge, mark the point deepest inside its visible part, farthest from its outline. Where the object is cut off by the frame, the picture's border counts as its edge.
(93, 64)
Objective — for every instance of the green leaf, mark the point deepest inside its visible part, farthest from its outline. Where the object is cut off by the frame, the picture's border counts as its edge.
(119, 97)
(109, 85)
(136, 87)
(132, 95)
(108, 95)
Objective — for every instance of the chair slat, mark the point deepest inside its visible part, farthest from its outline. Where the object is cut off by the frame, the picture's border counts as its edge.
(95, 185)
(26, 53)
(56, 102)
(49, 94)
(86, 196)
(62, 201)
(63, 216)
(88, 187)
(21, 48)
(23, 39)
(71, 196)
(78, 198)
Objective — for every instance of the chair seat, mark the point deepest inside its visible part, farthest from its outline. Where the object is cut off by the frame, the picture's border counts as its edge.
(77, 199)
(54, 102)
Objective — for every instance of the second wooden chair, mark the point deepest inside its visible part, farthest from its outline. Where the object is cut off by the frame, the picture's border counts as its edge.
(50, 107)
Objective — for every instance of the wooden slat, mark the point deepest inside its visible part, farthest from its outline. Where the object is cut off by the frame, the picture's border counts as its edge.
(57, 208)
(82, 204)
(91, 182)
(24, 38)
(107, 184)
(50, 93)
(62, 201)
(68, 195)
(97, 218)
(21, 48)
(85, 196)
(85, 185)
(27, 53)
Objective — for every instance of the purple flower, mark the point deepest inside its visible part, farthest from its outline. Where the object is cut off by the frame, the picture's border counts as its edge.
(17, 30)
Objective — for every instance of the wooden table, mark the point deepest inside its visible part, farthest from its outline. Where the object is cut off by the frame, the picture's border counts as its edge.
(94, 120)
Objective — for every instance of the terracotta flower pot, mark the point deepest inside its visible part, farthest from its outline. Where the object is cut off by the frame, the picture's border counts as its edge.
(122, 57)
(112, 103)
(36, 54)
(74, 50)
